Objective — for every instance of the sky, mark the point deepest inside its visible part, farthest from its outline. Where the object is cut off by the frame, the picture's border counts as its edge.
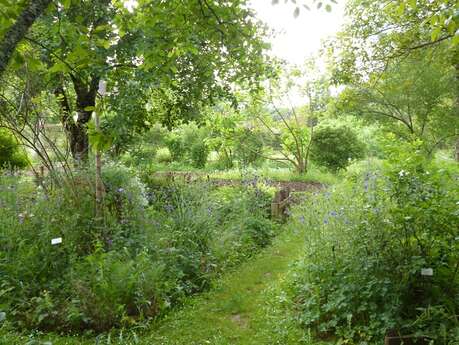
(298, 38)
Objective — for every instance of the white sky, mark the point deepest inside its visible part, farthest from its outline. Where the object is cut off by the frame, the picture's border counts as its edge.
(295, 39)
(298, 38)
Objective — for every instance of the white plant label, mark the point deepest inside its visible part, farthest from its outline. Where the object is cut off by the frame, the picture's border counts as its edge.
(102, 87)
(427, 272)
(57, 240)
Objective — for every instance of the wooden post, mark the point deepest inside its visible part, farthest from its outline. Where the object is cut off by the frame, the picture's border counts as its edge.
(40, 176)
(99, 182)
(280, 203)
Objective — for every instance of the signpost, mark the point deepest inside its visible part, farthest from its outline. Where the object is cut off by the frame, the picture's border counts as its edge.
(99, 183)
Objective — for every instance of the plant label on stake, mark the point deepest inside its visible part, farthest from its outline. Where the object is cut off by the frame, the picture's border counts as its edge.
(57, 240)
(102, 87)
(428, 272)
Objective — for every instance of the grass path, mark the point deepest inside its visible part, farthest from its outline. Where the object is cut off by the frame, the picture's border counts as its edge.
(236, 310)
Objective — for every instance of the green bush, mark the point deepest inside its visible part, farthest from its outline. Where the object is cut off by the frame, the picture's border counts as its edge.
(334, 148)
(156, 245)
(163, 155)
(198, 154)
(369, 241)
(248, 149)
(176, 147)
(11, 156)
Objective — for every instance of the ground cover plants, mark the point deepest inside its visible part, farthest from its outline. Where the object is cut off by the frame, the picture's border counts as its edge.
(369, 243)
(156, 244)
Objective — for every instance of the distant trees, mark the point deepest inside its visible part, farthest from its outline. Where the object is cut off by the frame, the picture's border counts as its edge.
(293, 125)
(383, 34)
(413, 98)
(163, 62)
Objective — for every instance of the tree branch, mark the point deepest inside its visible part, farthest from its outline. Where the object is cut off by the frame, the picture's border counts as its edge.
(16, 33)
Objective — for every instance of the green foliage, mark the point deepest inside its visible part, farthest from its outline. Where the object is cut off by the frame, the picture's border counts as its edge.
(155, 246)
(11, 156)
(198, 154)
(176, 147)
(112, 288)
(163, 155)
(369, 241)
(414, 96)
(334, 148)
(187, 144)
(248, 149)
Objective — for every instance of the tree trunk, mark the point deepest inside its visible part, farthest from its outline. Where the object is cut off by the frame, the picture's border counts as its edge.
(79, 141)
(18, 30)
(301, 166)
(85, 104)
(76, 130)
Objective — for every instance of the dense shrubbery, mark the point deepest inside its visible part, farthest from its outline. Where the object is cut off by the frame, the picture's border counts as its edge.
(163, 155)
(198, 154)
(248, 149)
(155, 245)
(335, 147)
(368, 242)
(188, 145)
(11, 156)
(176, 147)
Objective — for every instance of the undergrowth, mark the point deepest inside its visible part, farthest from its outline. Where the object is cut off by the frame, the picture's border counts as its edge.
(155, 244)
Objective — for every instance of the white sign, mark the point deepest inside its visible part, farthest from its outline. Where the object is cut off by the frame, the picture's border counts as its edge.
(427, 272)
(57, 240)
(102, 87)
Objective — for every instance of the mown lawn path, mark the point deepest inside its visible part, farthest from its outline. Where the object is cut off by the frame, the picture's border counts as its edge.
(236, 310)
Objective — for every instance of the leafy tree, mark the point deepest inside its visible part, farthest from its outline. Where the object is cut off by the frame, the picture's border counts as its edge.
(335, 147)
(224, 122)
(413, 98)
(163, 61)
(294, 126)
(11, 35)
(379, 32)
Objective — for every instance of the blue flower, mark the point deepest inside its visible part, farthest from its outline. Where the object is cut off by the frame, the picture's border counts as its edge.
(168, 208)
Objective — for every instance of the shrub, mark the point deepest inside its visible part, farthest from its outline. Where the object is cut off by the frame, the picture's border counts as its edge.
(198, 154)
(156, 245)
(11, 155)
(176, 147)
(249, 148)
(369, 241)
(334, 148)
(163, 155)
